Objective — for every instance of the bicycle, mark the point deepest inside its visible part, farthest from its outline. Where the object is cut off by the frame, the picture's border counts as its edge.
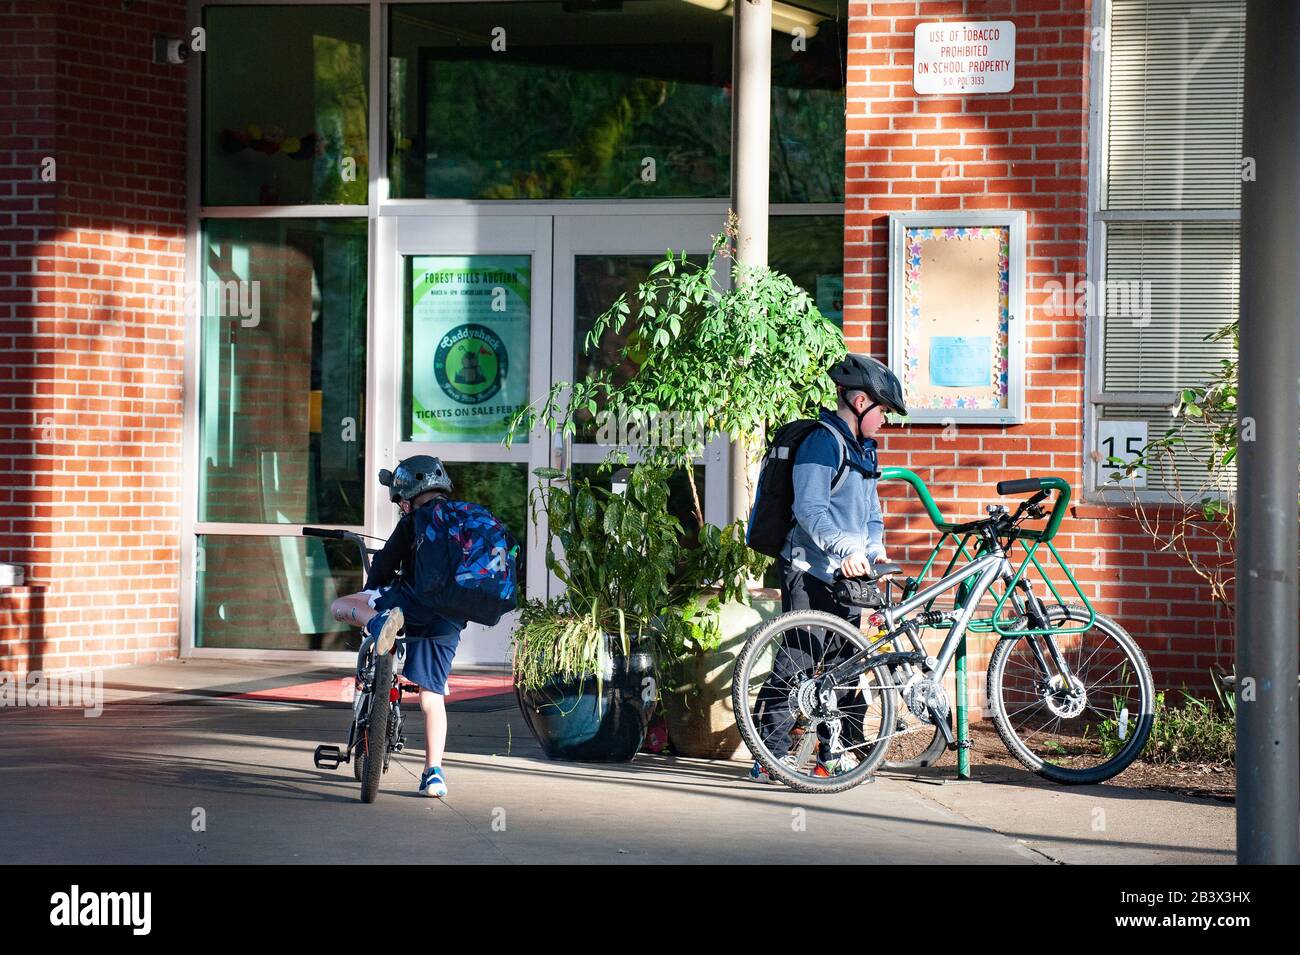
(1070, 691)
(376, 715)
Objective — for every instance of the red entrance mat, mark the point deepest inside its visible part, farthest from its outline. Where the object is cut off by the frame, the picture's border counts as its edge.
(468, 686)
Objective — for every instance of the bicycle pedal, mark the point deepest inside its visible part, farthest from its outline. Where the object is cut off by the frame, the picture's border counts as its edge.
(327, 757)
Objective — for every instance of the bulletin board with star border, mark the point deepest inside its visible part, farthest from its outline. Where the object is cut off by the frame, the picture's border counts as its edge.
(957, 313)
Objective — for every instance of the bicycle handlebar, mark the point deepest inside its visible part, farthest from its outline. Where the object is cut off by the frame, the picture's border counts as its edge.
(333, 534)
(324, 532)
(1021, 486)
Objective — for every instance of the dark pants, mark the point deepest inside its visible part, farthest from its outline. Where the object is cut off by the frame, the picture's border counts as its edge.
(802, 653)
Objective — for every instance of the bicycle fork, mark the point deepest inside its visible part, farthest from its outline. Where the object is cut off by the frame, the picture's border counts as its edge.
(1036, 612)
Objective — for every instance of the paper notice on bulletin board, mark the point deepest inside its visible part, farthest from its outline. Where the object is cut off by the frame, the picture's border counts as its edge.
(470, 323)
(956, 316)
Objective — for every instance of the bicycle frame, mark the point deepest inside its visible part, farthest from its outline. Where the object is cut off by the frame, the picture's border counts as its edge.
(1030, 541)
(985, 570)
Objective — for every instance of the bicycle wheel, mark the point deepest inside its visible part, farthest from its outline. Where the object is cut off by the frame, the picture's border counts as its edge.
(1085, 733)
(915, 743)
(797, 732)
(374, 747)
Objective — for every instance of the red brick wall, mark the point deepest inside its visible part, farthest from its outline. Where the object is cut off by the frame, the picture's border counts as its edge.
(1024, 150)
(90, 325)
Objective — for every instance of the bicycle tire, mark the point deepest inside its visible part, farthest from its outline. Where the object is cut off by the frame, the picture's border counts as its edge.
(751, 652)
(375, 745)
(929, 756)
(1146, 715)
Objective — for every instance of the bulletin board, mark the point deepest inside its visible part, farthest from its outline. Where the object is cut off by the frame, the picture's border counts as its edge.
(956, 315)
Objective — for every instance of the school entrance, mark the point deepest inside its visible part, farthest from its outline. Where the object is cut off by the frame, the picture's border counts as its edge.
(404, 219)
(493, 310)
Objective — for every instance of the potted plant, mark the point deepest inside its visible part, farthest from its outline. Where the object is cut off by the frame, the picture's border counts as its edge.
(584, 663)
(709, 619)
(712, 358)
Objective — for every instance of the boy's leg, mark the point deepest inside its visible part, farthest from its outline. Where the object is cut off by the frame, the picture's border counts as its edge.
(801, 650)
(354, 609)
(797, 654)
(434, 707)
(821, 596)
(432, 673)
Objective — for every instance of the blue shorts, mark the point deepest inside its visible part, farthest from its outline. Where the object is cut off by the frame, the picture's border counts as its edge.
(428, 662)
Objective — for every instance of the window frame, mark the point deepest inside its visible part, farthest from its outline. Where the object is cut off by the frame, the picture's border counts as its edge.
(1096, 397)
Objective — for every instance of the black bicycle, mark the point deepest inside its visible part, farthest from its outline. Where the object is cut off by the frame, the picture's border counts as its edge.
(376, 730)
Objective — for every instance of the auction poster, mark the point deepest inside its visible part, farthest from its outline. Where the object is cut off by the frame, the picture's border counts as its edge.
(469, 345)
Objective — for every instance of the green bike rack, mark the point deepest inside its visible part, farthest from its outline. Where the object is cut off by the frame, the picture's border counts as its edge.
(994, 622)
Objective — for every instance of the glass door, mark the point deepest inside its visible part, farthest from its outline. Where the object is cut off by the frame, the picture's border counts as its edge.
(471, 344)
(597, 258)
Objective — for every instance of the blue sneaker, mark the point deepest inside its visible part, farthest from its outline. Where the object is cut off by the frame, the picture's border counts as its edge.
(432, 782)
(759, 774)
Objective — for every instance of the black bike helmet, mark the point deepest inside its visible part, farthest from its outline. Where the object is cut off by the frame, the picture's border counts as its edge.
(864, 373)
(414, 476)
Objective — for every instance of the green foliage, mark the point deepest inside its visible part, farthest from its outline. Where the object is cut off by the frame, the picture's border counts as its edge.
(1205, 418)
(619, 551)
(552, 642)
(731, 360)
(1195, 732)
(719, 567)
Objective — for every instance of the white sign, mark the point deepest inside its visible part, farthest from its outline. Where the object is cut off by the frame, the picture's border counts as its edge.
(950, 57)
(1123, 440)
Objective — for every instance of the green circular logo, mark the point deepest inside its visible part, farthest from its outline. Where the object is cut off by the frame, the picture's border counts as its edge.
(470, 363)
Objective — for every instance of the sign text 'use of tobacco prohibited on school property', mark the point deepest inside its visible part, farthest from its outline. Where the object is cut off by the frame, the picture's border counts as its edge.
(964, 57)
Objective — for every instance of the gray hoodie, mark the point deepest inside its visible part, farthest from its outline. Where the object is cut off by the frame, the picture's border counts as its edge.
(832, 526)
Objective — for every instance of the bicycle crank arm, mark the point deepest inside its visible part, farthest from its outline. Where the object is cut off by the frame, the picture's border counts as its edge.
(944, 724)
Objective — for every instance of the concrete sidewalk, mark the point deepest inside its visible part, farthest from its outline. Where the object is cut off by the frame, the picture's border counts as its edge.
(173, 746)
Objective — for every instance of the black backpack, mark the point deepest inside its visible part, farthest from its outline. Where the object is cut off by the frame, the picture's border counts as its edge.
(773, 514)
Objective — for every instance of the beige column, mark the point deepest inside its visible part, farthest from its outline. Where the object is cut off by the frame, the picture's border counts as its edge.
(750, 123)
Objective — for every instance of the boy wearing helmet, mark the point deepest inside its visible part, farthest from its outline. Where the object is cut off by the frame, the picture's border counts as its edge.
(390, 605)
(838, 528)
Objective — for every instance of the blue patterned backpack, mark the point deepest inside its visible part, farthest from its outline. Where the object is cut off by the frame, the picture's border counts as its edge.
(464, 561)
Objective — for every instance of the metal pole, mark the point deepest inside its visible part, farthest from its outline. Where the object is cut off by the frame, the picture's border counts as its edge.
(1267, 534)
(963, 724)
(752, 92)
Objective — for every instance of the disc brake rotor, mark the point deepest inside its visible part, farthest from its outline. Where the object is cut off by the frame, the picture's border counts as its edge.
(1067, 704)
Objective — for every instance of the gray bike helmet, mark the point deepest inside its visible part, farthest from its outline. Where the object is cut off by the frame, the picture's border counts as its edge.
(864, 373)
(414, 476)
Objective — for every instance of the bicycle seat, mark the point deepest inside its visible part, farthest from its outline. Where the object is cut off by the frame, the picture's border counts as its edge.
(858, 592)
(884, 570)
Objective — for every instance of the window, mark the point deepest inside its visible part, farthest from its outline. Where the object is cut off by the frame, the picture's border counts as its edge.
(1168, 175)
(282, 384)
(547, 100)
(557, 101)
(810, 249)
(285, 105)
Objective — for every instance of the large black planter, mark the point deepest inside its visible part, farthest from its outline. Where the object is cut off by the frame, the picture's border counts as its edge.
(587, 722)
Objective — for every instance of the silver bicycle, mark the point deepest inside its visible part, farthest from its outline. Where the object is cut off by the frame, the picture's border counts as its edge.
(819, 703)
